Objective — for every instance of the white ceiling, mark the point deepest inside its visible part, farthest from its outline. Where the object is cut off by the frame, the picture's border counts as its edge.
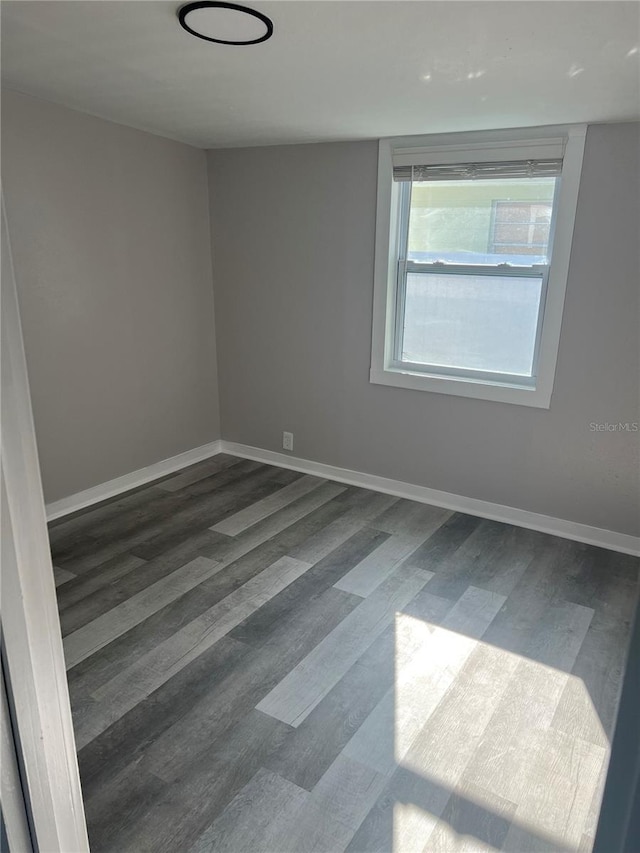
(347, 69)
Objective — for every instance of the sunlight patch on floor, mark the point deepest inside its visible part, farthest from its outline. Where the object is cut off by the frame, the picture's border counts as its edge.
(520, 733)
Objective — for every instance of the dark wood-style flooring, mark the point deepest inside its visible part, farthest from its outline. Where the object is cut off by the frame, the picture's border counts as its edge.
(261, 661)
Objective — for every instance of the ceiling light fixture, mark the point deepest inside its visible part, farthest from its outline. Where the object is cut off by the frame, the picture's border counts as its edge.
(225, 23)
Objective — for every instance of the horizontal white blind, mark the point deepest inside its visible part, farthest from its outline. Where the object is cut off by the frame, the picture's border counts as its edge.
(549, 148)
(478, 171)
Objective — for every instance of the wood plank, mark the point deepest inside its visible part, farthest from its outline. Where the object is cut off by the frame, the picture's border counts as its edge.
(111, 528)
(204, 510)
(593, 815)
(576, 713)
(315, 744)
(62, 576)
(95, 594)
(379, 564)
(563, 773)
(189, 804)
(588, 705)
(86, 553)
(159, 505)
(275, 535)
(561, 633)
(200, 471)
(312, 831)
(254, 817)
(228, 700)
(504, 670)
(465, 820)
(366, 506)
(151, 538)
(493, 557)
(127, 740)
(108, 661)
(416, 795)
(88, 639)
(70, 526)
(446, 540)
(305, 686)
(528, 704)
(403, 816)
(128, 796)
(160, 664)
(538, 589)
(409, 518)
(311, 510)
(472, 820)
(328, 818)
(90, 608)
(82, 586)
(586, 843)
(321, 576)
(245, 468)
(595, 576)
(246, 518)
(347, 790)
(178, 613)
(428, 661)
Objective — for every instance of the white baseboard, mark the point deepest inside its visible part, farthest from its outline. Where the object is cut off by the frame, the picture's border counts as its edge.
(130, 481)
(621, 542)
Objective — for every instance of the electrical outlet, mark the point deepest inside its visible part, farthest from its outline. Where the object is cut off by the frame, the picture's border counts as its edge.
(287, 441)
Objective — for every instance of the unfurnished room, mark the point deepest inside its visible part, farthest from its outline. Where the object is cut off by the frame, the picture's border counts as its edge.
(320, 426)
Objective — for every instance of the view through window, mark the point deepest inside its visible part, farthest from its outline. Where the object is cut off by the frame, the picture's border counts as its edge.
(471, 284)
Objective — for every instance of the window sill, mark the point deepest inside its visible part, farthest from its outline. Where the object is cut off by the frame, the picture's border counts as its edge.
(480, 390)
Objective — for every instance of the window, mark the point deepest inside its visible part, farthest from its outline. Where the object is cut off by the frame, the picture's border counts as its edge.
(471, 261)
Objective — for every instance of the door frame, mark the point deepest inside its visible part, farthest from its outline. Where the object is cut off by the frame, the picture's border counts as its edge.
(32, 640)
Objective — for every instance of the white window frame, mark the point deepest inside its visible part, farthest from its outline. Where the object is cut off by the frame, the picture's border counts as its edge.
(520, 144)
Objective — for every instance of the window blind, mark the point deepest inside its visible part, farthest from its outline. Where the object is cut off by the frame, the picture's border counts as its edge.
(478, 171)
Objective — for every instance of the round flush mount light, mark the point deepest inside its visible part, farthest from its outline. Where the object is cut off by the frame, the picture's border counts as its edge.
(225, 23)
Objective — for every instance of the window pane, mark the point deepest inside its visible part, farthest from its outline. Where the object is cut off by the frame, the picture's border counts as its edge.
(472, 321)
(484, 221)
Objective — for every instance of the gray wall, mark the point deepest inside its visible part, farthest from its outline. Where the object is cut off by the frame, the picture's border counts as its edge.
(110, 237)
(292, 241)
